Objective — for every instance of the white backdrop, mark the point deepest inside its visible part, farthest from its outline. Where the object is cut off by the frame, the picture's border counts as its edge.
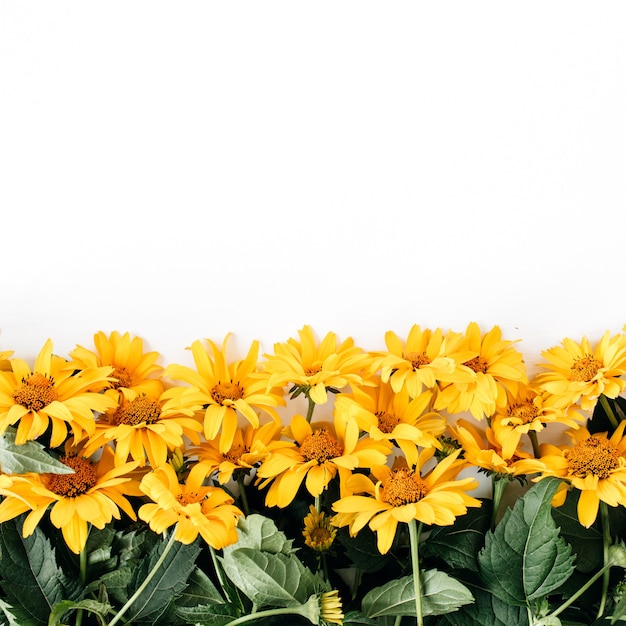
(180, 170)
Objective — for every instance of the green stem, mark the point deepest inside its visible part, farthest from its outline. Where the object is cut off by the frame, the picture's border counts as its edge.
(244, 497)
(606, 542)
(532, 434)
(397, 621)
(582, 590)
(290, 610)
(83, 579)
(414, 538)
(309, 412)
(146, 581)
(499, 486)
(608, 410)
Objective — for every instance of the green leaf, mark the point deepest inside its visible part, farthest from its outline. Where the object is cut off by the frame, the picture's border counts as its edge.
(27, 457)
(208, 614)
(90, 606)
(487, 610)
(278, 580)
(116, 584)
(525, 559)
(200, 590)
(356, 618)
(6, 611)
(167, 584)
(458, 545)
(260, 533)
(30, 577)
(586, 543)
(440, 594)
(362, 550)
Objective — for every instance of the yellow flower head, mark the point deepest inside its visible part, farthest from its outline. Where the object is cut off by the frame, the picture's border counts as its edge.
(581, 372)
(594, 464)
(395, 417)
(224, 391)
(496, 368)
(249, 448)
(93, 494)
(195, 508)
(527, 410)
(314, 368)
(331, 610)
(401, 494)
(425, 358)
(51, 395)
(145, 428)
(318, 532)
(133, 369)
(482, 449)
(5, 364)
(316, 455)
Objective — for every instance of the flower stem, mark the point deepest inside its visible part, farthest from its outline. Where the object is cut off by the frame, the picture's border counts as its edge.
(146, 581)
(311, 408)
(532, 434)
(414, 538)
(242, 493)
(606, 542)
(499, 486)
(608, 410)
(290, 610)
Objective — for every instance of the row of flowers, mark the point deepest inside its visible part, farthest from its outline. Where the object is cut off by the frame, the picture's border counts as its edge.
(108, 449)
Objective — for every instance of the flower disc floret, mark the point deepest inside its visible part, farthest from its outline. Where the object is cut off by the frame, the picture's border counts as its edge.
(595, 456)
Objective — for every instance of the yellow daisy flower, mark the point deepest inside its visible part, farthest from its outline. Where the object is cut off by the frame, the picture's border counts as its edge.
(385, 414)
(146, 428)
(594, 464)
(425, 358)
(318, 453)
(581, 372)
(51, 395)
(318, 532)
(133, 369)
(526, 412)
(402, 494)
(93, 494)
(497, 368)
(482, 449)
(195, 508)
(249, 448)
(313, 368)
(224, 390)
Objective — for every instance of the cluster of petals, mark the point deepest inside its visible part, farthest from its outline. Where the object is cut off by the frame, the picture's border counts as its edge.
(314, 367)
(314, 453)
(193, 507)
(442, 499)
(580, 372)
(594, 465)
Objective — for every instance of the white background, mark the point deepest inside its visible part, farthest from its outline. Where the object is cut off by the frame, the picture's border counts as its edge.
(181, 170)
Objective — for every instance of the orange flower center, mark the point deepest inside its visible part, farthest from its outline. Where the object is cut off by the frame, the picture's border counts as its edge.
(526, 411)
(235, 453)
(227, 391)
(313, 369)
(189, 497)
(320, 446)
(386, 421)
(141, 410)
(584, 369)
(477, 364)
(403, 487)
(124, 379)
(35, 392)
(417, 359)
(73, 485)
(595, 456)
